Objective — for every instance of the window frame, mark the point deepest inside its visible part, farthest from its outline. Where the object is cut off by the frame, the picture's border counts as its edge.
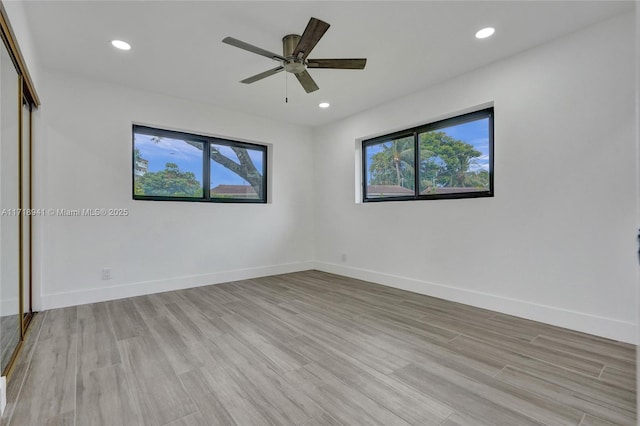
(207, 141)
(415, 132)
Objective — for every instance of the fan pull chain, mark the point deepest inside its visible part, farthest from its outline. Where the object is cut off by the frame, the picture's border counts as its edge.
(286, 87)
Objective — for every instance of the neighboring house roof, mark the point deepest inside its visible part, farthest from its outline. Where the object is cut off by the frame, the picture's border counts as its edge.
(234, 190)
(450, 190)
(388, 190)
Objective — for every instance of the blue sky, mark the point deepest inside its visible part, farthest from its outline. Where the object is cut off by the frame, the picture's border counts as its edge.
(189, 158)
(475, 133)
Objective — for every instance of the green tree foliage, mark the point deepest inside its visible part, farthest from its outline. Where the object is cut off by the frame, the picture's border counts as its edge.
(394, 164)
(444, 162)
(168, 182)
(448, 160)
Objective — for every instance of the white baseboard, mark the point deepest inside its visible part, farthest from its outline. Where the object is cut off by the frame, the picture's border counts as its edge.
(579, 321)
(101, 294)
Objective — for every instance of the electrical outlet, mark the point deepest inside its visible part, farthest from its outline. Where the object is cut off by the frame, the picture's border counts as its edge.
(106, 273)
(344, 257)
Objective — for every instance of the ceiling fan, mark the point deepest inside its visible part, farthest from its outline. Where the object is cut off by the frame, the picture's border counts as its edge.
(295, 50)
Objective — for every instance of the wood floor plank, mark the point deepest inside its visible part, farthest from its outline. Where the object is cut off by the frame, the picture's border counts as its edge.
(160, 397)
(97, 341)
(192, 320)
(412, 406)
(48, 394)
(150, 307)
(347, 322)
(566, 334)
(410, 330)
(466, 362)
(265, 320)
(182, 350)
(454, 389)
(576, 382)
(594, 421)
(274, 398)
(282, 357)
(60, 322)
(483, 333)
(268, 388)
(590, 351)
(204, 299)
(104, 397)
(223, 388)
(460, 419)
(531, 404)
(345, 403)
(350, 344)
(193, 419)
(209, 406)
(619, 379)
(580, 401)
(323, 420)
(125, 319)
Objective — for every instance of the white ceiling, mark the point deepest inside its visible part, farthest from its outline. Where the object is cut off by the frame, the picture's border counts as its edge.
(177, 47)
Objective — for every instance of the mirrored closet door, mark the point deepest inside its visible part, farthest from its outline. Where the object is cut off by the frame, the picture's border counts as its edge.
(17, 100)
(10, 107)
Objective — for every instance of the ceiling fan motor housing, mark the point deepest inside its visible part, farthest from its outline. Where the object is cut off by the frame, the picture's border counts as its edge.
(289, 44)
(293, 64)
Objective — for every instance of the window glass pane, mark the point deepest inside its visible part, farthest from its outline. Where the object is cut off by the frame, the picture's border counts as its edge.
(390, 170)
(236, 172)
(167, 167)
(455, 159)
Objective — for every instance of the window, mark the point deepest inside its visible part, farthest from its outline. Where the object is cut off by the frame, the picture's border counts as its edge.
(176, 166)
(452, 158)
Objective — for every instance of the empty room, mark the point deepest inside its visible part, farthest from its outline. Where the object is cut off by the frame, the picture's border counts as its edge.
(319, 212)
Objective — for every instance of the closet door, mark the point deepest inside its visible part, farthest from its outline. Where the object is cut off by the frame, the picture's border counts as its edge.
(10, 105)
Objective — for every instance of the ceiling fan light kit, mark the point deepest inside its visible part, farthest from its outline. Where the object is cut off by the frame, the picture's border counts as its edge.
(295, 50)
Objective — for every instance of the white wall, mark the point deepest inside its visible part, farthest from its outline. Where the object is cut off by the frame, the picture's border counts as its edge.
(84, 155)
(558, 241)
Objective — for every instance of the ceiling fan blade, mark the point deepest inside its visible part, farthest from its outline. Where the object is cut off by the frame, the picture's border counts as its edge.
(262, 75)
(310, 37)
(251, 48)
(344, 64)
(307, 82)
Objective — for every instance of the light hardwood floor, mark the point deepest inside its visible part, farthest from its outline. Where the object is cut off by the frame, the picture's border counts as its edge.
(312, 348)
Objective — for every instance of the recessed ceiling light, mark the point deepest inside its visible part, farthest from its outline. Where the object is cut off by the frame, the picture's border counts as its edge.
(485, 32)
(323, 104)
(119, 44)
